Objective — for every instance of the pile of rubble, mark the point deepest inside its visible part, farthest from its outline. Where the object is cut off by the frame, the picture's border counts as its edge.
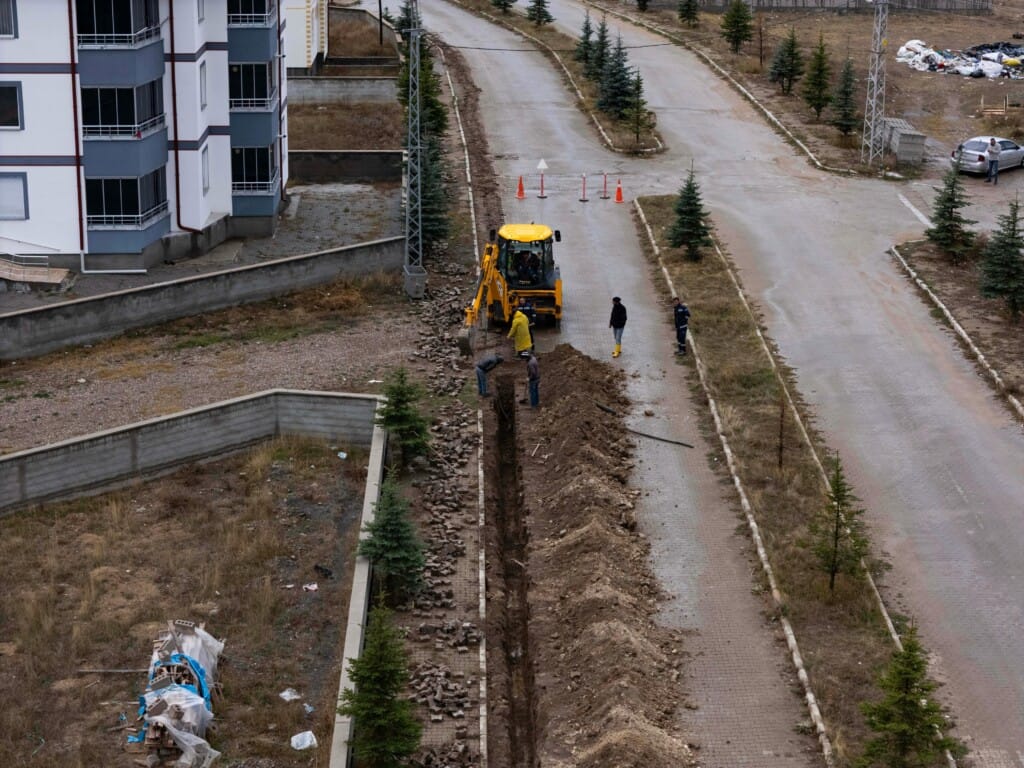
(443, 692)
(175, 711)
(459, 635)
(454, 755)
(987, 60)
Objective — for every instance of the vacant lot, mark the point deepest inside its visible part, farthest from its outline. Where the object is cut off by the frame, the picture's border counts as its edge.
(346, 126)
(89, 583)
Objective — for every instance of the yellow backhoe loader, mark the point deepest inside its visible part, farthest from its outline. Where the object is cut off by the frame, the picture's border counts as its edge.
(518, 261)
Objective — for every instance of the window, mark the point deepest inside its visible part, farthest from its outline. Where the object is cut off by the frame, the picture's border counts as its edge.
(126, 202)
(13, 196)
(8, 19)
(117, 21)
(201, 8)
(251, 86)
(202, 85)
(253, 169)
(122, 111)
(11, 115)
(206, 169)
(249, 12)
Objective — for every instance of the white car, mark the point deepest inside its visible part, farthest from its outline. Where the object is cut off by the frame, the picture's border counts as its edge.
(974, 160)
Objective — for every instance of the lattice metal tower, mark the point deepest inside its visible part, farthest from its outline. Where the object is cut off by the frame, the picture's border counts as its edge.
(415, 274)
(872, 145)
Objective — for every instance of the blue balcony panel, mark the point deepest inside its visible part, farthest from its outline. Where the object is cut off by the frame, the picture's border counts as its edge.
(121, 67)
(252, 44)
(125, 157)
(128, 240)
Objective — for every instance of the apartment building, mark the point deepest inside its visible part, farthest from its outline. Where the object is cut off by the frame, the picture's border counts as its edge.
(133, 131)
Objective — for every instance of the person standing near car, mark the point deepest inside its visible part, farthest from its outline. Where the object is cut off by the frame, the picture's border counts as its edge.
(617, 323)
(992, 153)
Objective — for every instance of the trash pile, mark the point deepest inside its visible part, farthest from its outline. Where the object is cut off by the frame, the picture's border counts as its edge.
(175, 711)
(990, 60)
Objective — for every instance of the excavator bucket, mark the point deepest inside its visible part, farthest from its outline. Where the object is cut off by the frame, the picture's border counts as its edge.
(465, 340)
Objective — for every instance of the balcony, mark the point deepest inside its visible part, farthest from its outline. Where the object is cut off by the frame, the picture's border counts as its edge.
(123, 131)
(254, 105)
(121, 221)
(119, 40)
(264, 19)
(257, 187)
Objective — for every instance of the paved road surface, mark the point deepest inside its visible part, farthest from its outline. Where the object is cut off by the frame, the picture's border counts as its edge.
(936, 458)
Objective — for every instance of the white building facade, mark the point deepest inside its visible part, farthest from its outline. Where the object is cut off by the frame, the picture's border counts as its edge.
(133, 131)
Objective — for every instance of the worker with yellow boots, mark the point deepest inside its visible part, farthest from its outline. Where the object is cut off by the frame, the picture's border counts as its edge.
(617, 323)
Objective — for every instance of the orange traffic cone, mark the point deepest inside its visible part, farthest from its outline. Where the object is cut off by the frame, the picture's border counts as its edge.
(520, 192)
(618, 191)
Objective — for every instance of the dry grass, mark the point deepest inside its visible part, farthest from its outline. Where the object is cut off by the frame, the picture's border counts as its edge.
(842, 637)
(359, 35)
(215, 542)
(622, 135)
(346, 126)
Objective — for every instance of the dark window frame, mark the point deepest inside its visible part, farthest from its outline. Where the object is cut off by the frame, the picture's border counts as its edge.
(24, 191)
(19, 105)
(13, 19)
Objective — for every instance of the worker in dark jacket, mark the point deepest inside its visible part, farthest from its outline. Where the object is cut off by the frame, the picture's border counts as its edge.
(533, 380)
(681, 319)
(617, 323)
(482, 368)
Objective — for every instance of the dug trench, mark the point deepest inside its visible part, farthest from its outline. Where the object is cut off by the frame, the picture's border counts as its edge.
(579, 670)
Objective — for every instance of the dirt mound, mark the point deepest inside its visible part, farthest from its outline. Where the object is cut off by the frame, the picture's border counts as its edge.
(592, 596)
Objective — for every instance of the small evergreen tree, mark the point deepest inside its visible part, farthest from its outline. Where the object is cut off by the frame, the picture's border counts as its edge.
(818, 81)
(615, 87)
(435, 223)
(907, 720)
(598, 53)
(503, 5)
(844, 109)
(637, 116)
(689, 12)
(586, 42)
(737, 24)
(401, 417)
(691, 225)
(386, 731)
(641, 5)
(433, 113)
(405, 20)
(1002, 266)
(787, 63)
(392, 545)
(840, 543)
(950, 232)
(538, 12)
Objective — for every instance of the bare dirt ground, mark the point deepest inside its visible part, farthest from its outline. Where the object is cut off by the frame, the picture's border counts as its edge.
(346, 126)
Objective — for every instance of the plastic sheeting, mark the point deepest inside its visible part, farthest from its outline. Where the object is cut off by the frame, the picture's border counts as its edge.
(989, 60)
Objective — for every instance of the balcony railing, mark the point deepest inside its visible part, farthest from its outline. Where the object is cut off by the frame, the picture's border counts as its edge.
(123, 40)
(124, 131)
(254, 105)
(253, 19)
(140, 221)
(256, 187)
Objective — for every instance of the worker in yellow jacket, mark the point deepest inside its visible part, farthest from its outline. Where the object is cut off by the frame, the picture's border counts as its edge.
(520, 334)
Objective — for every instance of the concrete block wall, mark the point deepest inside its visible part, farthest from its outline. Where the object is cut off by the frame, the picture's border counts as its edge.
(105, 459)
(328, 89)
(37, 331)
(327, 166)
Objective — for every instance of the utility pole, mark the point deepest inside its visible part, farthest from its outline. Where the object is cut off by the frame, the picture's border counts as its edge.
(872, 144)
(415, 274)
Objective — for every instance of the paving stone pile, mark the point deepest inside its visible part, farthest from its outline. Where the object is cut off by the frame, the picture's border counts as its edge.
(443, 692)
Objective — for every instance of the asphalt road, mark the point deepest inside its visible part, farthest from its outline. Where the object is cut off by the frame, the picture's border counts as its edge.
(935, 457)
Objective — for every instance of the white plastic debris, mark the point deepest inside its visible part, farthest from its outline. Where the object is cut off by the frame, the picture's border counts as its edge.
(311, 587)
(304, 740)
(290, 694)
(342, 455)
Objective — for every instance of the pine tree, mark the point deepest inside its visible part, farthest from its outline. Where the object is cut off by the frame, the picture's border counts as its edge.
(951, 233)
(405, 20)
(503, 5)
(737, 24)
(538, 12)
(787, 64)
(641, 5)
(907, 720)
(844, 110)
(393, 547)
(598, 53)
(818, 81)
(433, 113)
(615, 87)
(840, 543)
(689, 12)
(386, 731)
(401, 417)
(691, 225)
(586, 42)
(435, 224)
(1002, 266)
(637, 116)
